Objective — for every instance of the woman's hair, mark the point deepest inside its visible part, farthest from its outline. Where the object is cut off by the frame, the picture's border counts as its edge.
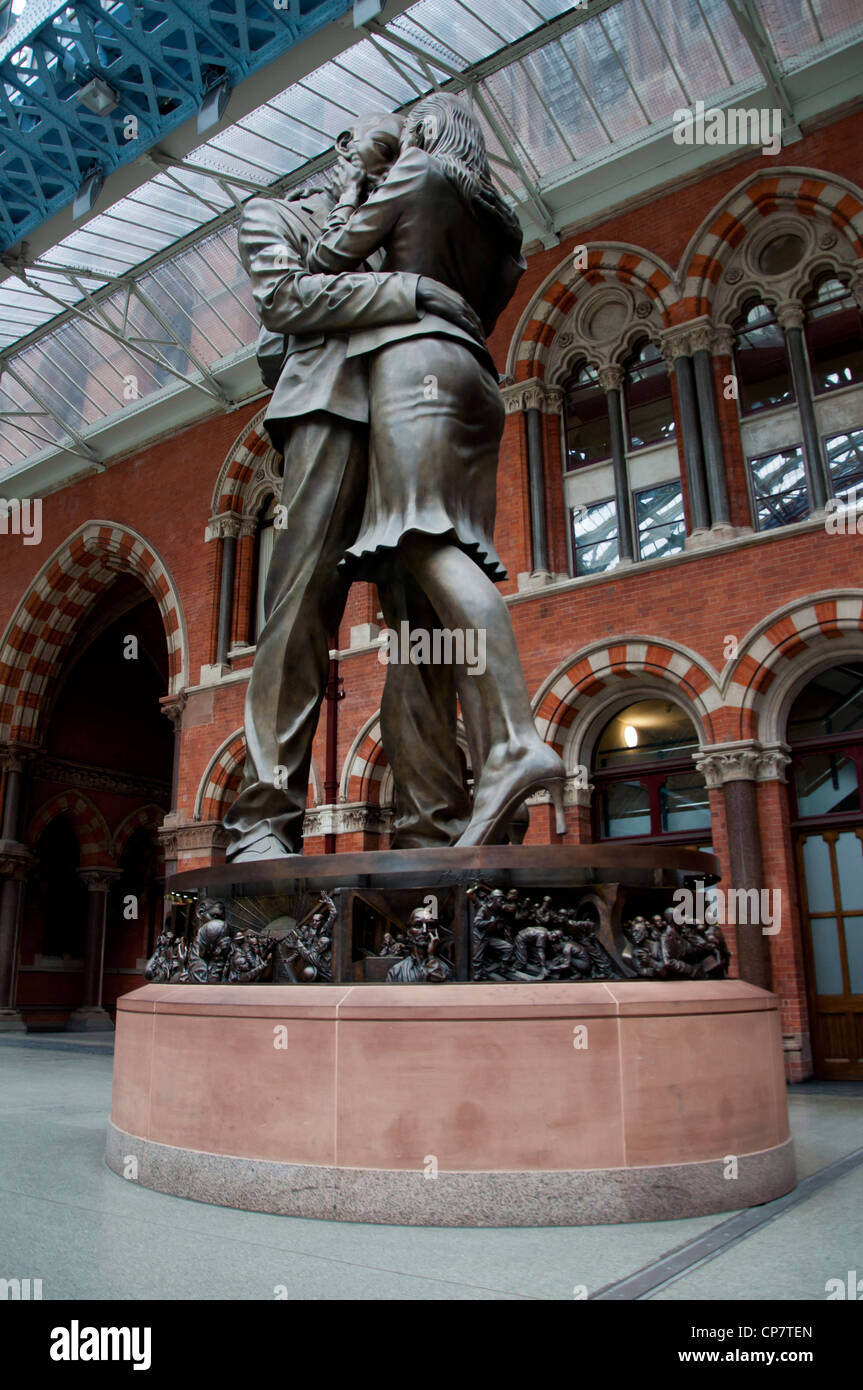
(444, 126)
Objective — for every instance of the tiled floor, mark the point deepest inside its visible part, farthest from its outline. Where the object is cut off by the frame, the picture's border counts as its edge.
(65, 1218)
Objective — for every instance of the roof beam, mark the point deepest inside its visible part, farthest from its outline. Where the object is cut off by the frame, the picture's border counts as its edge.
(749, 22)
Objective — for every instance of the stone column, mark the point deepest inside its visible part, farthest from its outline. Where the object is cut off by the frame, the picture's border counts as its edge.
(677, 351)
(791, 316)
(534, 401)
(224, 530)
(172, 708)
(90, 1016)
(15, 863)
(611, 378)
(704, 342)
(736, 768)
(244, 583)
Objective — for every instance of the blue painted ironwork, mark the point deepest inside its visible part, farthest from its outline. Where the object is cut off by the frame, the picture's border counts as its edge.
(160, 57)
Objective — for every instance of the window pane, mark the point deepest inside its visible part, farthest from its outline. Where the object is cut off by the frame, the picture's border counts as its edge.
(624, 809)
(825, 949)
(594, 537)
(830, 704)
(659, 518)
(849, 865)
(649, 407)
(588, 435)
(819, 875)
(826, 783)
(761, 361)
(683, 802)
(854, 951)
(834, 335)
(845, 462)
(779, 488)
(649, 731)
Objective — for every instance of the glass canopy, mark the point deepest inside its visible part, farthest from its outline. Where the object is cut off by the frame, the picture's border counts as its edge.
(152, 291)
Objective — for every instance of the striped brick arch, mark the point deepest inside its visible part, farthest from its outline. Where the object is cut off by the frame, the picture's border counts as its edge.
(807, 192)
(250, 449)
(220, 783)
(556, 298)
(94, 838)
(809, 635)
(150, 816)
(35, 643)
(572, 691)
(365, 767)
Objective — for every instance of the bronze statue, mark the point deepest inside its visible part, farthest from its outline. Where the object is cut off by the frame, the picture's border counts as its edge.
(318, 417)
(433, 452)
(306, 953)
(423, 964)
(409, 501)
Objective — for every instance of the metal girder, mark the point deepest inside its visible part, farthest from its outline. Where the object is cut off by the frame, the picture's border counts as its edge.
(82, 447)
(467, 80)
(137, 343)
(749, 22)
(160, 57)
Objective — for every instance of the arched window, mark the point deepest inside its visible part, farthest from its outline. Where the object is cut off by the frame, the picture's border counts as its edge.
(647, 393)
(647, 785)
(825, 731)
(264, 539)
(761, 361)
(588, 434)
(834, 336)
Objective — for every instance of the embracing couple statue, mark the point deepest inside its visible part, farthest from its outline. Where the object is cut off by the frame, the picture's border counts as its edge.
(375, 297)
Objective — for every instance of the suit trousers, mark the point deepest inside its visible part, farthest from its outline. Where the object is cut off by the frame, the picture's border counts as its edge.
(325, 479)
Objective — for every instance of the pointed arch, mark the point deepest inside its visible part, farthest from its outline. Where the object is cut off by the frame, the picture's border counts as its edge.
(809, 193)
(557, 296)
(365, 766)
(94, 837)
(150, 816)
(251, 466)
(586, 683)
(787, 649)
(223, 774)
(46, 620)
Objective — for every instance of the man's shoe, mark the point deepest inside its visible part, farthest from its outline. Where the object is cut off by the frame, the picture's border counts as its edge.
(268, 847)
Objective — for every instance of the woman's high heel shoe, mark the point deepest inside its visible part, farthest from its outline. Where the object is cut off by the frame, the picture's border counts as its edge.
(499, 795)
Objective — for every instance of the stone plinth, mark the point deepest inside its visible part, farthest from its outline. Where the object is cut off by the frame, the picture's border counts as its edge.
(546, 1104)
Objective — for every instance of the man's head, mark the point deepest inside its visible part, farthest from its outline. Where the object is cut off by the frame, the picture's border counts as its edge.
(373, 142)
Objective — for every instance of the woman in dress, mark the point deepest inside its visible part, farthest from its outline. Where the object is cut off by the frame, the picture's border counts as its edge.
(436, 423)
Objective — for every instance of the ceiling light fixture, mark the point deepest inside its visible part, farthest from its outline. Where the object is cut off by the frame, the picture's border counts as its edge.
(98, 97)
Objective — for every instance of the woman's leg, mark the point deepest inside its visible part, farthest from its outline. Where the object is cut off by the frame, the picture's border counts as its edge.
(517, 760)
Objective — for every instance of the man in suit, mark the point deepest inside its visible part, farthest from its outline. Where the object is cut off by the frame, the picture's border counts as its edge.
(318, 417)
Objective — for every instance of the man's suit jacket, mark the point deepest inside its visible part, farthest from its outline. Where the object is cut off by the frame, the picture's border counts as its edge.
(307, 318)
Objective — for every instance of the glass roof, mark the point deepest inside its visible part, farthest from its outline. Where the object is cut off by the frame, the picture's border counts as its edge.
(604, 78)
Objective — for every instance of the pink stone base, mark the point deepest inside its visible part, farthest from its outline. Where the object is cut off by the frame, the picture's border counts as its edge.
(382, 1085)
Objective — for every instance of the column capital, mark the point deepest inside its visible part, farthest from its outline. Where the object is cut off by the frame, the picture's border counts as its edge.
(99, 879)
(532, 395)
(675, 342)
(744, 761)
(790, 314)
(225, 524)
(855, 284)
(172, 707)
(611, 377)
(16, 860)
(248, 526)
(14, 756)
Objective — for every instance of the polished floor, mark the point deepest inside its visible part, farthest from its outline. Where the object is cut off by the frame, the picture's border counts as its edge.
(87, 1234)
